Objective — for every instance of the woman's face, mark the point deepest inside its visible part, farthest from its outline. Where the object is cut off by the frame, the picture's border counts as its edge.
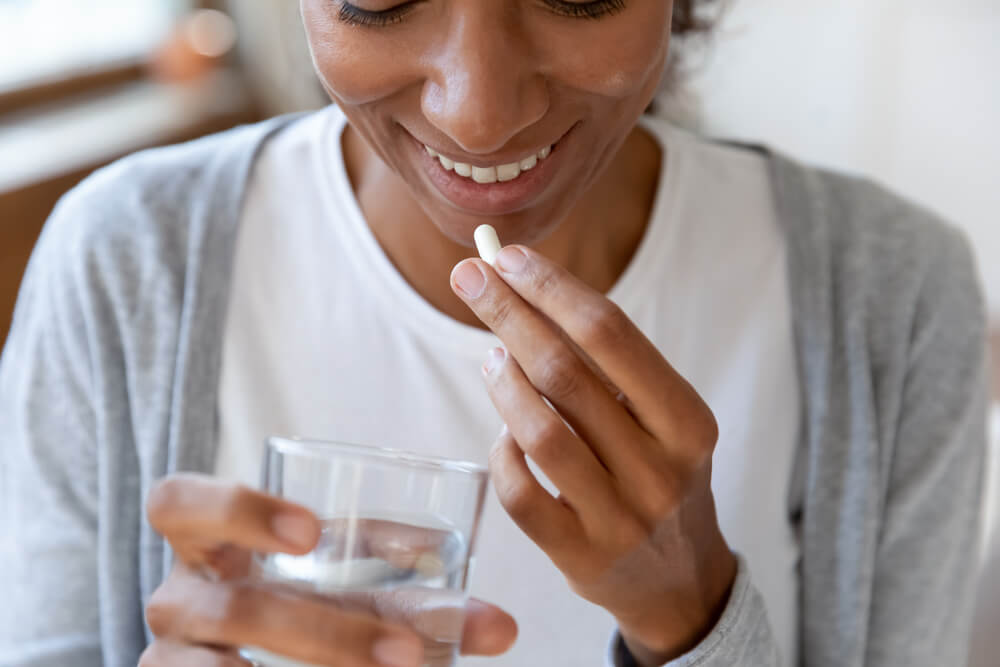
(492, 85)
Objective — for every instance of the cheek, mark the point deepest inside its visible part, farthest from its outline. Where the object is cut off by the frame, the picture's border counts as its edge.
(624, 57)
(354, 65)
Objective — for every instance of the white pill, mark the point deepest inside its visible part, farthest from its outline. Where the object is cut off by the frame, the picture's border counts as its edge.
(487, 243)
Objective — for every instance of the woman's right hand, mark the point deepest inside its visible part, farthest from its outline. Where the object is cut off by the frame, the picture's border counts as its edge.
(207, 607)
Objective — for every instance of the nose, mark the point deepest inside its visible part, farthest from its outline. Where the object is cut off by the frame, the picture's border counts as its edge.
(484, 87)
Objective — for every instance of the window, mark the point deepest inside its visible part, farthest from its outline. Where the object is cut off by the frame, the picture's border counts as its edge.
(42, 40)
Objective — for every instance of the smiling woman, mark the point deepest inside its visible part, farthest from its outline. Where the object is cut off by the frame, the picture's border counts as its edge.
(735, 417)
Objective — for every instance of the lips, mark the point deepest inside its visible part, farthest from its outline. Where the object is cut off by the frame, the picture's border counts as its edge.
(492, 189)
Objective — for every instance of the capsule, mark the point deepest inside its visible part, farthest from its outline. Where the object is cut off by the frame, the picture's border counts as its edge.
(487, 243)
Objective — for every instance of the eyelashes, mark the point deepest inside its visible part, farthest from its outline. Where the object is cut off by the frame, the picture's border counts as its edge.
(353, 15)
(586, 10)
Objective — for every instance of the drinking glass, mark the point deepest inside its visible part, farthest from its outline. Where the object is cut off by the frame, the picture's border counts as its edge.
(397, 538)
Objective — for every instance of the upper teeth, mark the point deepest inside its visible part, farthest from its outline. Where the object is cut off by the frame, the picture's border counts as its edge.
(502, 173)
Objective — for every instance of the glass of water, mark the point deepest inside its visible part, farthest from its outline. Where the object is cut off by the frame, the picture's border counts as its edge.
(398, 532)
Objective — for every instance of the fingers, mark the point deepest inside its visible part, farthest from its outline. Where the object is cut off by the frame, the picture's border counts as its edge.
(165, 653)
(199, 515)
(663, 401)
(557, 371)
(488, 630)
(192, 611)
(542, 435)
(545, 520)
(596, 497)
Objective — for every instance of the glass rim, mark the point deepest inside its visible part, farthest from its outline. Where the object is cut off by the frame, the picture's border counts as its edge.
(317, 448)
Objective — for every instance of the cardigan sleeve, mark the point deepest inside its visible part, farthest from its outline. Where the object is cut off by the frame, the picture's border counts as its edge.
(49, 614)
(925, 569)
(742, 636)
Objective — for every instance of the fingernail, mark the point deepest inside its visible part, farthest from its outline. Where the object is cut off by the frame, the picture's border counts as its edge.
(469, 278)
(494, 359)
(512, 259)
(397, 652)
(294, 529)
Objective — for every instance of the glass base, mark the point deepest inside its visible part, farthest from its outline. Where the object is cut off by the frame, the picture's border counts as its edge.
(435, 655)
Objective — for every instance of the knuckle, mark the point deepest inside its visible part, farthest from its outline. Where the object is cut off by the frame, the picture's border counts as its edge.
(709, 431)
(605, 325)
(660, 500)
(158, 618)
(162, 500)
(160, 612)
(702, 437)
(559, 374)
(546, 282)
(548, 440)
(516, 498)
(501, 312)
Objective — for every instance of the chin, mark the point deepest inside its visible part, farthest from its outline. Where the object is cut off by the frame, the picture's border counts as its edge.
(527, 228)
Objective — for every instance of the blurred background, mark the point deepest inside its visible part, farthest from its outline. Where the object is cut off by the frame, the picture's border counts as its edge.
(904, 91)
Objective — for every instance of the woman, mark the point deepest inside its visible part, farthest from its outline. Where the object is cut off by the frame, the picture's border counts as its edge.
(769, 379)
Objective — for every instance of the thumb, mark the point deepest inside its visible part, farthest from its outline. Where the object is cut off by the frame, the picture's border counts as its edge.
(488, 629)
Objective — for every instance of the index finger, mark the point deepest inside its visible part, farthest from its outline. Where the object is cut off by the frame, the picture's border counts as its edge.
(198, 515)
(659, 397)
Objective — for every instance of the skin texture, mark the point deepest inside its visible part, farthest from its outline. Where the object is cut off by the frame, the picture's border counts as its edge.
(487, 82)
(634, 527)
(207, 607)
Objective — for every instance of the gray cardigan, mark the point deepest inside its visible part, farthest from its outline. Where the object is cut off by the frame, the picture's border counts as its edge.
(110, 376)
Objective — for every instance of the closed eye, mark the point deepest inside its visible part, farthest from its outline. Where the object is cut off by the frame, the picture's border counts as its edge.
(586, 10)
(354, 15)
(595, 9)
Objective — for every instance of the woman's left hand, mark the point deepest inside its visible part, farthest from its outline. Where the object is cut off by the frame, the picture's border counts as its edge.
(634, 528)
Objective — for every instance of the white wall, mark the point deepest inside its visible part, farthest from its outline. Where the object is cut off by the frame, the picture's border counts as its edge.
(275, 55)
(906, 91)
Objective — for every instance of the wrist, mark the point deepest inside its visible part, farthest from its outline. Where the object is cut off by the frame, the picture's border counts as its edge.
(675, 626)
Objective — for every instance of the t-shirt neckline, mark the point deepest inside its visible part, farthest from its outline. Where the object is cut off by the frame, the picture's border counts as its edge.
(398, 296)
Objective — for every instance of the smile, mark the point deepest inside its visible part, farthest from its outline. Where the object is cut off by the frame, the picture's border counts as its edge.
(502, 173)
(498, 184)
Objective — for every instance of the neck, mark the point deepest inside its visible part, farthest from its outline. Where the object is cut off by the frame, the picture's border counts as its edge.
(595, 242)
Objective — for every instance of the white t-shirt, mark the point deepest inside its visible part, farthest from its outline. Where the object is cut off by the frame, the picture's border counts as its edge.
(325, 339)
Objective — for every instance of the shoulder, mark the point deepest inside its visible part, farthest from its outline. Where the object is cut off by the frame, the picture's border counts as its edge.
(147, 212)
(871, 250)
(119, 249)
(152, 194)
(850, 222)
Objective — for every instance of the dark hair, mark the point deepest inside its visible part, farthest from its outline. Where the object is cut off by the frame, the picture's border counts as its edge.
(690, 18)
(692, 25)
